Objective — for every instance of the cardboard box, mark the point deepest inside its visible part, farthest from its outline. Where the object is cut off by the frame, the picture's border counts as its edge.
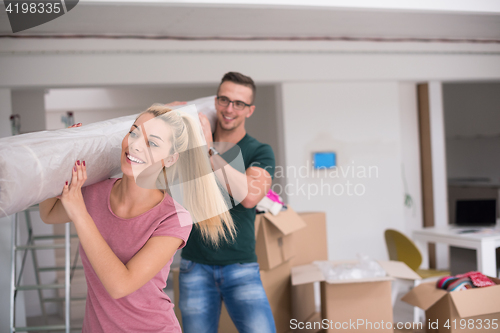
(361, 305)
(311, 245)
(303, 302)
(311, 242)
(462, 311)
(274, 237)
(225, 322)
(276, 283)
(312, 324)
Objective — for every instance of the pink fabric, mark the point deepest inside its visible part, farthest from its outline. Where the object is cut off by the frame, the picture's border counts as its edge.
(274, 197)
(478, 279)
(148, 309)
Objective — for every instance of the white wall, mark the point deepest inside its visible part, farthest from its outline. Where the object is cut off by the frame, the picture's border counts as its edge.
(359, 121)
(5, 112)
(30, 105)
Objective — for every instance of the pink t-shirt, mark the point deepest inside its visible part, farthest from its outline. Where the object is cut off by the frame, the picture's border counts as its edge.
(148, 309)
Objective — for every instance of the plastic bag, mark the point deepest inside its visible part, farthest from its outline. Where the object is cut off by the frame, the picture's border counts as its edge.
(35, 166)
(363, 269)
(206, 105)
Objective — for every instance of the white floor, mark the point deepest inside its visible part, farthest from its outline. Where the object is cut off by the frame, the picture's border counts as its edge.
(403, 312)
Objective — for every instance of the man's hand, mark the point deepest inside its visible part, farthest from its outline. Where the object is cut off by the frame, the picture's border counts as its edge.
(207, 129)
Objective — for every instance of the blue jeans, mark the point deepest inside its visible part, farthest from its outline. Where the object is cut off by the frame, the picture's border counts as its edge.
(202, 288)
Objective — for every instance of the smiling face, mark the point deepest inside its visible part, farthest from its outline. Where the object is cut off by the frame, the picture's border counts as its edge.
(146, 149)
(229, 118)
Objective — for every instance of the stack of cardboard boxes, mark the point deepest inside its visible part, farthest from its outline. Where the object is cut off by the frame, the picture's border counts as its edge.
(289, 243)
(342, 302)
(286, 247)
(354, 305)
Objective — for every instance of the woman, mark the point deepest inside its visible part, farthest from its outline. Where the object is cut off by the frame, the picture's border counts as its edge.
(129, 230)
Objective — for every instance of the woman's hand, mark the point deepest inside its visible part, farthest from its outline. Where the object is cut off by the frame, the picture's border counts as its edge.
(71, 197)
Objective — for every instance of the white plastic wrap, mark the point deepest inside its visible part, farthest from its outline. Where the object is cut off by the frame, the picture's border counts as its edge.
(365, 268)
(35, 166)
(206, 105)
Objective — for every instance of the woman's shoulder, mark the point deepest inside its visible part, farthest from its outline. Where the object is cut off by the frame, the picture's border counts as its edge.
(175, 221)
(175, 212)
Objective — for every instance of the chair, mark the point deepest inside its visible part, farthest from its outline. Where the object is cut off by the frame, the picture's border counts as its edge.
(401, 248)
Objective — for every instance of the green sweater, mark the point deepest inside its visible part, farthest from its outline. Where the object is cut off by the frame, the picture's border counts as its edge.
(242, 249)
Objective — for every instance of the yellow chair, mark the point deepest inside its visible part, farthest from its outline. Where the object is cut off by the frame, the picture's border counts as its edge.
(401, 248)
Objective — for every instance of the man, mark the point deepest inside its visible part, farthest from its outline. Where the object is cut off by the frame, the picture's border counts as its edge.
(230, 272)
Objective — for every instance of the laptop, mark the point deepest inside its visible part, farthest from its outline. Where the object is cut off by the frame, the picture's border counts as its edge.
(476, 213)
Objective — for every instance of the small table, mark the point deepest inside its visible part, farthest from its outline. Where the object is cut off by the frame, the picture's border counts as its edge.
(483, 240)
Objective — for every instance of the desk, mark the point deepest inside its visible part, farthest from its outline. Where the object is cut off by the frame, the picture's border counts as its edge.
(484, 242)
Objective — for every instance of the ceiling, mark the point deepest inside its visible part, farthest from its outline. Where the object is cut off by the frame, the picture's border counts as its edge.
(222, 22)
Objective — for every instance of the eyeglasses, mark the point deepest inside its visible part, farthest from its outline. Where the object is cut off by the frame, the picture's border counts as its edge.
(237, 105)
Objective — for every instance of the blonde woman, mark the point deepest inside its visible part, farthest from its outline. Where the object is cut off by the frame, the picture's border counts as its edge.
(129, 230)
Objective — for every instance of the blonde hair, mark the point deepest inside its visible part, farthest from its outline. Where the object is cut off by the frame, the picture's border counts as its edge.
(202, 194)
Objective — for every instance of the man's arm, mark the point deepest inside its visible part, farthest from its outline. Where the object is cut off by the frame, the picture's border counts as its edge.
(247, 188)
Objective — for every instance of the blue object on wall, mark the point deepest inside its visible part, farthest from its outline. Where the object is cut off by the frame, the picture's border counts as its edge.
(324, 160)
